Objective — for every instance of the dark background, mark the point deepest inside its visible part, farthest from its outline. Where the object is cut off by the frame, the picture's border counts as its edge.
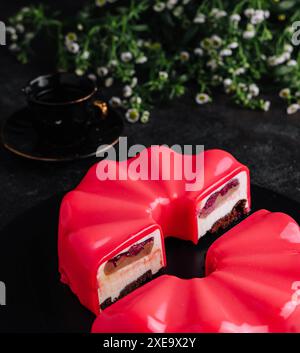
(267, 142)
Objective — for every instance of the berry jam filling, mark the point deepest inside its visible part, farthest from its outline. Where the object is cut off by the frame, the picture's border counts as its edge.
(211, 201)
(134, 253)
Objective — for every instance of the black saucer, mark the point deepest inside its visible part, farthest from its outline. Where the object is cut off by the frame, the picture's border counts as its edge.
(38, 302)
(20, 137)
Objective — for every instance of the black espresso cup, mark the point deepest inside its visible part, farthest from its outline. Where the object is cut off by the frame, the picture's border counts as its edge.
(62, 105)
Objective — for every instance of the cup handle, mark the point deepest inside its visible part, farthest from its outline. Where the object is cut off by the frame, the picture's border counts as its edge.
(102, 106)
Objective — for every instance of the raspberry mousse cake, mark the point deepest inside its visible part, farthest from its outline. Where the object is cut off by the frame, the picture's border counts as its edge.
(111, 232)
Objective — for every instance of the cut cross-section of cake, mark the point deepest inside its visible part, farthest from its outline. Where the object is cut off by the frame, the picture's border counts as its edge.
(224, 205)
(129, 269)
(101, 268)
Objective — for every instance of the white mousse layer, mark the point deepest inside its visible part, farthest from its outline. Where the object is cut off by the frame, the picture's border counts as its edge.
(110, 286)
(225, 204)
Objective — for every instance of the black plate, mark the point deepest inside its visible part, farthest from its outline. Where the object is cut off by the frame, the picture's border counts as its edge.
(38, 302)
(20, 137)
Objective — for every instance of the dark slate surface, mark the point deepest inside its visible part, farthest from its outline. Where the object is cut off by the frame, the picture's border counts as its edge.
(267, 142)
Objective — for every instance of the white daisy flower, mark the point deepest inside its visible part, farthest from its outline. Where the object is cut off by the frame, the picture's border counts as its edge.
(14, 37)
(127, 91)
(227, 82)
(249, 34)
(80, 27)
(71, 37)
(292, 63)
(235, 18)
(212, 64)
(249, 96)
(136, 100)
(266, 106)
(134, 82)
(293, 108)
(20, 28)
(285, 56)
(92, 77)
(200, 18)
(102, 71)
(79, 72)
(272, 61)
(115, 102)
(288, 48)
(85, 55)
(109, 81)
(126, 56)
(171, 4)
(221, 14)
(216, 41)
(217, 13)
(258, 17)
(142, 59)
(242, 86)
(14, 48)
(263, 57)
(73, 47)
(19, 17)
(206, 43)
(216, 79)
(132, 115)
(233, 45)
(163, 75)
(112, 63)
(145, 117)
(202, 98)
(25, 9)
(226, 52)
(140, 42)
(178, 11)
(159, 7)
(184, 56)
(10, 30)
(239, 71)
(285, 93)
(249, 12)
(254, 90)
(198, 51)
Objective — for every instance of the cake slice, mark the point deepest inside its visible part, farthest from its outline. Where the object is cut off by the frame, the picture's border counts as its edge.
(130, 268)
(224, 205)
(103, 263)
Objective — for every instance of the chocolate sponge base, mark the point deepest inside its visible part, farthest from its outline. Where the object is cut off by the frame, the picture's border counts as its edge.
(237, 212)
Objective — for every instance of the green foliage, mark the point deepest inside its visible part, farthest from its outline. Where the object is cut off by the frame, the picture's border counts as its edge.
(154, 50)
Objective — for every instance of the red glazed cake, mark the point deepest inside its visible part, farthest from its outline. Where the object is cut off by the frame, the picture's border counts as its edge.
(252, 284)
(111, 232)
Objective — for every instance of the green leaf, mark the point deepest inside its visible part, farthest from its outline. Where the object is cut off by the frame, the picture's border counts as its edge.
(139, 28)
(286, 5)
(284, 70)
